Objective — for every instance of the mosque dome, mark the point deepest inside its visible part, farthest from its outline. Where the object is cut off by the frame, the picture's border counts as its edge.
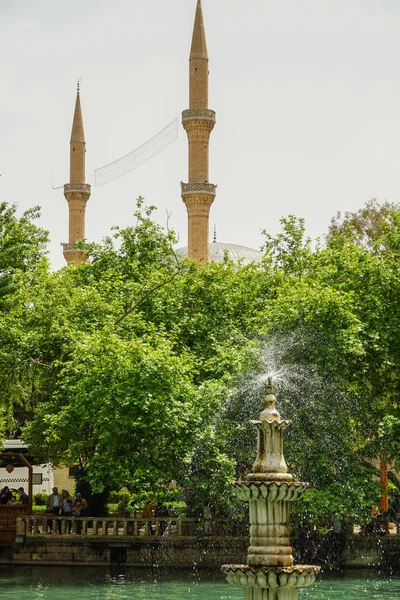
(217, 252)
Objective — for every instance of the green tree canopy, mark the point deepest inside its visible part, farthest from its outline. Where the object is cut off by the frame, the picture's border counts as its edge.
(142, 367)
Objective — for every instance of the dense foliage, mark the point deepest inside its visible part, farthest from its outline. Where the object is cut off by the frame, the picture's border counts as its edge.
(142, 368)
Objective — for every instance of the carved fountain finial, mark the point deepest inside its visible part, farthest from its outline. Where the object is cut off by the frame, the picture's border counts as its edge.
(270, 413)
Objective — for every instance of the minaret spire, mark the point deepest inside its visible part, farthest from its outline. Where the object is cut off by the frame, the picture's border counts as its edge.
(77, 192)
(77, 133)
(199, 44)
(198, 121)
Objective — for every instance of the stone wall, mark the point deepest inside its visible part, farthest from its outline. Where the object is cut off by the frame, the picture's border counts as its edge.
(372, 551)
(206, 552)
(203, 553)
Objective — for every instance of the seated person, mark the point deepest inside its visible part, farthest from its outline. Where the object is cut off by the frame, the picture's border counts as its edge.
(5, 495)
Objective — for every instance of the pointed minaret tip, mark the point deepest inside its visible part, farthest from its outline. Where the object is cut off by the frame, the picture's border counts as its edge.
(199, 44)
(77, 133)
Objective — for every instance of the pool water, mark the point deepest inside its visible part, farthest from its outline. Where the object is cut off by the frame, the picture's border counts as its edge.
(88, 583)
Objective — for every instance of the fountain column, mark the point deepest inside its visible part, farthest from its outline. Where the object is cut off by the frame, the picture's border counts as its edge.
(270, 573)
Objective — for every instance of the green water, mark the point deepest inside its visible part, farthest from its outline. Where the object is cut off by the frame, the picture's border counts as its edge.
(86, 583)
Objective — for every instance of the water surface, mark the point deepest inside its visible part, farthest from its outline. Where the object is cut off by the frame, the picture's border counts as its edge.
(89, 583)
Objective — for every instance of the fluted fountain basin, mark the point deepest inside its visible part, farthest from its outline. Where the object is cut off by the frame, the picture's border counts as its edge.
(272, 491)
(297, 576)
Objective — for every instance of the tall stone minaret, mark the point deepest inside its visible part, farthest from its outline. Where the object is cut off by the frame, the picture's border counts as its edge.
(198, 121)
(77, 192)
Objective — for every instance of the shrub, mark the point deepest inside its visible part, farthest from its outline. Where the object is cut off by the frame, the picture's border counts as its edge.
(40, 499)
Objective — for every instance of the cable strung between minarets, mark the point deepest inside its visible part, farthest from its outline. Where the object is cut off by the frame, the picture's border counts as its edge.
(198, 121)
(77, 192)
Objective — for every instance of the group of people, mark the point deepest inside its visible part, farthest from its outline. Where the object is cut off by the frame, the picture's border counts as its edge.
(7, 497)
(65, 506)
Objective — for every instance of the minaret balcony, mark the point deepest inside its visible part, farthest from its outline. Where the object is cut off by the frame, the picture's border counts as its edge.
(71, 247)
(206, 188)
(77, 188)
(196, 114)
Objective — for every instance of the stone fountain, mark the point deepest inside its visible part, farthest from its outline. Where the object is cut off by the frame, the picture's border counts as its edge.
(270, 573)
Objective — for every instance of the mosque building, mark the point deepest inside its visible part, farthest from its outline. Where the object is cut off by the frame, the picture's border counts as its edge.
(197, 194)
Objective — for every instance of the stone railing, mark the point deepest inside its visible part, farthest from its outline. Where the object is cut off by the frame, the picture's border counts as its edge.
(45, 526)
(100, 527)
(198, 113)
(198, 188)
(379, 529)
(68, 247)
(77, 187)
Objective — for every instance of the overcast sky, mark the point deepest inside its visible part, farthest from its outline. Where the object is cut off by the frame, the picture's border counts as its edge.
(307, 94)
